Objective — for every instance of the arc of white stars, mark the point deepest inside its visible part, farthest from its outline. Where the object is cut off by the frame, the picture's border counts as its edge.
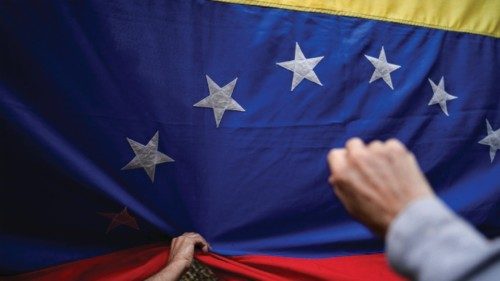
(147, 156)
(383, 69)
(492, 140)
(440, 96)
(219, 99)
(302, 67)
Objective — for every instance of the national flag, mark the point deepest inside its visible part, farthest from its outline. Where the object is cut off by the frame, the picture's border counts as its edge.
(126, 123)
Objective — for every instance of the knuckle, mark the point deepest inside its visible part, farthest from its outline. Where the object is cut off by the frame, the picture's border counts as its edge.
(353, 142)
(375, 142)
(359, 155)
(377, 149)
(332, 154)
(412, 157)
(396, 146)
(375, 145)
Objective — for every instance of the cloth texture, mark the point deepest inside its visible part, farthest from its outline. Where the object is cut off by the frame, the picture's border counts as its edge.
(126, 123)
(427, 241)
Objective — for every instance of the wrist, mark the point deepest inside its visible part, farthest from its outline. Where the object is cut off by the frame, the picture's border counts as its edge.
(179, 265)
(172, 272)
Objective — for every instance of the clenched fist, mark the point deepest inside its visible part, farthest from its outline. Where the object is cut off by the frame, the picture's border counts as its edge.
(376, 181)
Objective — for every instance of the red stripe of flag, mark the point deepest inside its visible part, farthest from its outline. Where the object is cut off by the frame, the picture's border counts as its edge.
(141, 262)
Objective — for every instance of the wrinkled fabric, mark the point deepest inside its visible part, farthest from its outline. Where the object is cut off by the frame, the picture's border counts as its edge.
(77, 78)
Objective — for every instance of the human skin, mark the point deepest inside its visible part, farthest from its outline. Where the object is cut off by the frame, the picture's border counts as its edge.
(376, 181)
(181, 256)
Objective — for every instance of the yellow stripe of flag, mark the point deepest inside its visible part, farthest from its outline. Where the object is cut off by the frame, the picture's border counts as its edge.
(470, 16)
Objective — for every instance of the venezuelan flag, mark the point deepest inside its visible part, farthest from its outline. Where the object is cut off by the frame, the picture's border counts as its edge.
(126, 123)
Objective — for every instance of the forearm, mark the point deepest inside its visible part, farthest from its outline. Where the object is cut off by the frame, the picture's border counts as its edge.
(428, 242)
(172, 272)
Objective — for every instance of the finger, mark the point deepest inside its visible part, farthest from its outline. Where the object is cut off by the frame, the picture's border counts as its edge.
(359, 202)
(377, 147)
(174, 245)
(395, 149)
(199, 241)
(346, 178)
(372, 163)
(339, 167)
(367, 163)
(173, 242)
(398, 156)
(375, 162)
(396, 143)
(356, 150)
(336, 159)
(352, 182)
(355, 145)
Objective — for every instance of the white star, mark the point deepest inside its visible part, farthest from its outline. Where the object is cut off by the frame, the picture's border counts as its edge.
(492, 139)
(302, 67)
(147, 156)
(440, 95)
(220, 99)
(383, 69)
